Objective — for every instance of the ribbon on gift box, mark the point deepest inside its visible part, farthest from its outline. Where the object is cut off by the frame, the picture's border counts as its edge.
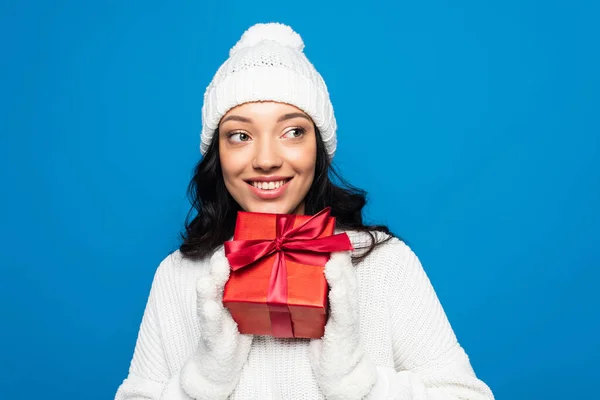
(301, 244)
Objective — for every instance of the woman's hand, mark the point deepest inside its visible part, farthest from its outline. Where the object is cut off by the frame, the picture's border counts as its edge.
(213, 371)
(342, 368)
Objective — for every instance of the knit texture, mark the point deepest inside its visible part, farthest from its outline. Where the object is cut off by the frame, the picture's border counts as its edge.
(403, 330)
(341, 367)
(212, 372)
(268, 64)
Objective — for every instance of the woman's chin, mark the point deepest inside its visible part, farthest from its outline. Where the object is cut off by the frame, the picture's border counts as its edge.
(273, 208)
(269, 209)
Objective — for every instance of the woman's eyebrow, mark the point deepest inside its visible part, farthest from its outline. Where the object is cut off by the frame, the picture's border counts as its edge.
(236, 118)
(284, 117)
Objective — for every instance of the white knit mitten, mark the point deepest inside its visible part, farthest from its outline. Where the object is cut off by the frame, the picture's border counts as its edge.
(214, 369)
(341, 367)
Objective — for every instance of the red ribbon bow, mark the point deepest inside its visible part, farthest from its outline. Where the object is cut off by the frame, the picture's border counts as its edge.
(301, 244)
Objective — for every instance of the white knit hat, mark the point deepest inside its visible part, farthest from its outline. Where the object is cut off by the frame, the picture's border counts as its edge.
(268, 64)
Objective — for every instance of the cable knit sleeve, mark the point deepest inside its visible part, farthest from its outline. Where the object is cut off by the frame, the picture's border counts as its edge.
(148, 377)
(429, 362)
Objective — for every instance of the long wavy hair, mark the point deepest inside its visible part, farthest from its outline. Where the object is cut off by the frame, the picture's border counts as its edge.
(216, 210)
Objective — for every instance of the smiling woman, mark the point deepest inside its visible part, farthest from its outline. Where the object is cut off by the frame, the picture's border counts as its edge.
(268, 139)
(268, 155)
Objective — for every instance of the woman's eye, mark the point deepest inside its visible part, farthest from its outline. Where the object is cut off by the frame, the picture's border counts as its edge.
(238, 137)
(295, 133)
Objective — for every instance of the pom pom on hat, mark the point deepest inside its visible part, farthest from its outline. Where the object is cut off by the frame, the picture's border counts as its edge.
(274, 31)
(268, 64)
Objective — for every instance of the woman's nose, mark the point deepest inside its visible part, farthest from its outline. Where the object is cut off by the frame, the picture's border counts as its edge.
(267, 156)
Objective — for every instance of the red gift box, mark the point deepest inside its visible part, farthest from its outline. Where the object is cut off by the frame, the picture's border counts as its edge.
(277, 286)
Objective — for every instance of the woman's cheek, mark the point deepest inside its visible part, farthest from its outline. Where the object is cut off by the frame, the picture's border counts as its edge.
(302, 156)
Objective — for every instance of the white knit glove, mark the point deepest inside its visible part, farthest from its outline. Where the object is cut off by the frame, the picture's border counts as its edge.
(341, 367)
(214, 369)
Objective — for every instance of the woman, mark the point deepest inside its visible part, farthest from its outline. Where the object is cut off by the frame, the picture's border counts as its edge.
(268, 137)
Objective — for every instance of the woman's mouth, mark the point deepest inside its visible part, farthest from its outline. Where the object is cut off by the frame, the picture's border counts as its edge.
(269, 185)
(269, 190)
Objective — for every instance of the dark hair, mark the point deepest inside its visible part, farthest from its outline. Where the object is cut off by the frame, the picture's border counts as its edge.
(216, 209)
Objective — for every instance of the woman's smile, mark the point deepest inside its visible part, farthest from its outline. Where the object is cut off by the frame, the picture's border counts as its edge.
(269, 188)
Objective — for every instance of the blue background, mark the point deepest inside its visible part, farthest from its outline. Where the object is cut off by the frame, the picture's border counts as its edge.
(473, 125)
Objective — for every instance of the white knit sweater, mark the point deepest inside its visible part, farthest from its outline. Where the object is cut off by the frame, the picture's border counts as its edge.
(403, 328)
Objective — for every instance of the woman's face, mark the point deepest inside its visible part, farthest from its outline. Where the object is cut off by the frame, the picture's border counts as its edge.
(268, 153)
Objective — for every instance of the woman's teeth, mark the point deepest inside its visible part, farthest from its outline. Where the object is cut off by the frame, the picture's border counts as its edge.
(268, 185)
